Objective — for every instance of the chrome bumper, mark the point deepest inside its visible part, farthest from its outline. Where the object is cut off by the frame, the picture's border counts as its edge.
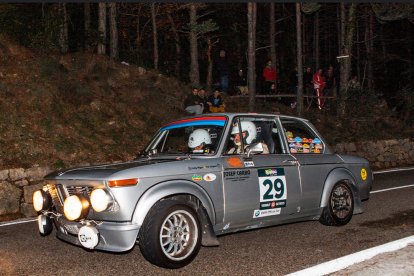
(115, 237)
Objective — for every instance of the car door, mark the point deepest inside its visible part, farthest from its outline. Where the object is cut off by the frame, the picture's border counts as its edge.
(314, 165)
(260, 187)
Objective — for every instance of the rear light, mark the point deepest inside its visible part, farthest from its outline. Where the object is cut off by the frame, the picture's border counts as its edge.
(123, 182)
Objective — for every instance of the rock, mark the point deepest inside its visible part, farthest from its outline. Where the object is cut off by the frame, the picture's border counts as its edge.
(9, 198)
(141, 71)
(27, 210)
(16, 174)
(37, 173)
(4, 174)
(21, 183)
(351, 147)
(29, 190)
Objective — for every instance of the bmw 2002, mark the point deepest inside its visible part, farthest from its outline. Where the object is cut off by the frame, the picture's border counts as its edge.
(201, 177)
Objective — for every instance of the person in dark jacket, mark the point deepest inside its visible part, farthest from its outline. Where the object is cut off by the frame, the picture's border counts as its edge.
(223, 71)
(193, 103)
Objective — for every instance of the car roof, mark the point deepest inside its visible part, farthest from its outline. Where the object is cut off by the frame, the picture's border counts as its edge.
(234, 114)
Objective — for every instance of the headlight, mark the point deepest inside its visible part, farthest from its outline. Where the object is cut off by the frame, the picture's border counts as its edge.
(75, 207)
(41, 200)
(100, 200)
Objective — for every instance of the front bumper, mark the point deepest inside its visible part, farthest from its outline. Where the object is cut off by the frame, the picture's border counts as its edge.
(113, 236)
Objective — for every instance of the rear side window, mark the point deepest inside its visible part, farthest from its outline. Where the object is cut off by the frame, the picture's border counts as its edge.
(301, 139)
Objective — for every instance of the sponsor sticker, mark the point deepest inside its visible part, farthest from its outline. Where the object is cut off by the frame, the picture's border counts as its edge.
(248, 163)
(273, 188)
(364, 174)
(266, 213)
(235, 162)
(196, 177)
(209, 177)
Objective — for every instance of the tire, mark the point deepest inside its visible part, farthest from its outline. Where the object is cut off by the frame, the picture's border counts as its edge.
(340, 206)
(170, 236)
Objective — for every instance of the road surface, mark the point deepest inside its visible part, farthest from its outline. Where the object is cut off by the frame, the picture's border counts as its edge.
(388, 215)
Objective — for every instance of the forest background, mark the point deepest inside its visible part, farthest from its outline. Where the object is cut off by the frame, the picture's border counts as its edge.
(91, 82)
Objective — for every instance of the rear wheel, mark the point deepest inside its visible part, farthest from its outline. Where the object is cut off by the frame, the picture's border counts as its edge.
(170, 236)
(340, 207)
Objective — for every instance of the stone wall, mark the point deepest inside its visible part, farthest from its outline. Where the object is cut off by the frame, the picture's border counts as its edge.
(17, 185)
(381, 154)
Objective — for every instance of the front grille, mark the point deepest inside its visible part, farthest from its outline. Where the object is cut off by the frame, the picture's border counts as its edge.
(60, 192)
(79, 190)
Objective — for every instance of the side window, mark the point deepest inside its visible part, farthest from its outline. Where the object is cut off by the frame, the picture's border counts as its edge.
(253, 131)
(300, 138)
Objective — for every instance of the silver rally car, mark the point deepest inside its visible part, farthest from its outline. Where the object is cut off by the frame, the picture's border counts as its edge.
(200, 177)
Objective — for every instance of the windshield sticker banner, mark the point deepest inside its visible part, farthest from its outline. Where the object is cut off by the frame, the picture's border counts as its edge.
(200, 121)
(273, 191)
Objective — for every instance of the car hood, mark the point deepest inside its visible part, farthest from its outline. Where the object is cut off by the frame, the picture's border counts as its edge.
(102, 171)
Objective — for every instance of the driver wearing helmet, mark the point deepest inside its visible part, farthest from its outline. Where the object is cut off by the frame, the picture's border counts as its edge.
(249, 134)
(198, 140)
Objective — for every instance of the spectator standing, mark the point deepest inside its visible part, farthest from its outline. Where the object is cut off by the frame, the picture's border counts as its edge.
(319, 85)
(269, 75)
(193, 103)
(307, 81)
(216, 103)
(293, 80)
(330, 81)
(223, 71)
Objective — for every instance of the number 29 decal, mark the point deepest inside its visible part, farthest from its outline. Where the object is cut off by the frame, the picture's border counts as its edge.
(273, 190)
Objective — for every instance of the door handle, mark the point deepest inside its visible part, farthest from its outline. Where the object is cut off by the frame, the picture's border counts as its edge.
(291, 162)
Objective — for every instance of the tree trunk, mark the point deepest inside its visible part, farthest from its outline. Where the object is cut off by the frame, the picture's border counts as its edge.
(209, 79)
(194, 69)
(113, 31)
(339, 27)
(63, 35)
(369, 46)
(299, 98)
(345, 63)
(154, 35)
(177, 46)
(102, 29)
(272, 34)
(87, 25)
(251, 52)
(316, 41)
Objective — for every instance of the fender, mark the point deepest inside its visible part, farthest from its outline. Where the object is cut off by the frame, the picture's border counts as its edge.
(335, 176)
(169, 188)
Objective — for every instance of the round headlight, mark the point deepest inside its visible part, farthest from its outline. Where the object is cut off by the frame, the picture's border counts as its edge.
(41, 200)
(100, 200)
(75, 207)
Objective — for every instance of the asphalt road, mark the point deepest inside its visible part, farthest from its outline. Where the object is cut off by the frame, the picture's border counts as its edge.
(388, 215)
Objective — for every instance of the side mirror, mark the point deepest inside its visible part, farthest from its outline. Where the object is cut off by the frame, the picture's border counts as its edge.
(254, 149)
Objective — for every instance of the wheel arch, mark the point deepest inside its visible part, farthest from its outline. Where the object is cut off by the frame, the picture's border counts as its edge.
(339, 175)
(172, 189)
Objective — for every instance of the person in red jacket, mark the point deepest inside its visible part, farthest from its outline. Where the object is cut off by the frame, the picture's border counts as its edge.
(269, 75)
(319, 84)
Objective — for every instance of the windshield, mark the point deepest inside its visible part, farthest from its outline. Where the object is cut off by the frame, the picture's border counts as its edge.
(199, 136)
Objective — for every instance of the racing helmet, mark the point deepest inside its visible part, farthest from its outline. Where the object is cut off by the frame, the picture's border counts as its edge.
(249, 127)
(197, 137)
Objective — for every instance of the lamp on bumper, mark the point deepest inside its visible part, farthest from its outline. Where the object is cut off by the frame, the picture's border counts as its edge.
(100, 200)
(75, 207)
(45, 225)
(41, 200)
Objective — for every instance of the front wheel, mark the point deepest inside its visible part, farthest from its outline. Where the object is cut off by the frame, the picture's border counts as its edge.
(170, 236)
(340, 206)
